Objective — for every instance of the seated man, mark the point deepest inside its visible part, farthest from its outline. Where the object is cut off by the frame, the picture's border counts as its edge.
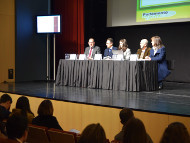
(92, 49)
(5, 103)
(108, 50)
(144, 50)
(17, 129)
(125, 114)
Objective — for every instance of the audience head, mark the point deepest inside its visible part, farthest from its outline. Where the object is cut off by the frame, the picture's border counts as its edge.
(109, 42)
(93, 133)
(23, 104)
(123, 44)
(17, 127)
(45, 108)
(6, 101)
(125, 114)
(156, 42)
(144, 43)
(91, 42)
(134, 132)
(175, 133)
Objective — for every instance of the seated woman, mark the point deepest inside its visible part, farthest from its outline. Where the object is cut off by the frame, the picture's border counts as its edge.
(158, 53)
(23, 108)
(144, 49)
(93, 133)
(124, 47)
(135, 132)
(45, 116)
(175, 133)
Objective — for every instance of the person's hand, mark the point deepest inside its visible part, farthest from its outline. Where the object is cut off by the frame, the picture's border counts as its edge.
(90, 58)
(148, 58)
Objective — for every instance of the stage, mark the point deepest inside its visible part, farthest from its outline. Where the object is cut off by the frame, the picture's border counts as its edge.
(173, 99)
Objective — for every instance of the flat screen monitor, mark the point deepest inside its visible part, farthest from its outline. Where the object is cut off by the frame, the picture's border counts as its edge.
(49, 24)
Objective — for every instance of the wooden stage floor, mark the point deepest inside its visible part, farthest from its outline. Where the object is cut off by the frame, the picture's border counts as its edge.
(173, 99)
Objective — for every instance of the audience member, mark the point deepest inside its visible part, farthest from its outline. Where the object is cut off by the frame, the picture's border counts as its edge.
(135, 132)
(93, 133)
(17, 129)
(125, 114)
(45, 116)
(92, 49)
(5, 104)
(175, 133)
(144, 49)
(158, 53)
(124, 47)
(108, 50)
(23, 108)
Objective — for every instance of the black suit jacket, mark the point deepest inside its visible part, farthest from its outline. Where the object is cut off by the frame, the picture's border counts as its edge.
(47, 121)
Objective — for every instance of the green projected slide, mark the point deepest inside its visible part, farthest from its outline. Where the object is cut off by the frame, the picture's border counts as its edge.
(153, 10)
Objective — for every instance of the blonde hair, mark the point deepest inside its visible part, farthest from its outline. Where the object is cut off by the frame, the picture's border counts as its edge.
(157, 42)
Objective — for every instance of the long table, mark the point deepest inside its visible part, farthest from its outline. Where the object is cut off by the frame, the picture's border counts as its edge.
(108, 74)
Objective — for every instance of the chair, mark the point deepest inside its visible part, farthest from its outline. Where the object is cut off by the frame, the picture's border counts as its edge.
(59, 136)
(37, 134)
(77, 138)
(115, 141)
(171, 64)
(2, 140)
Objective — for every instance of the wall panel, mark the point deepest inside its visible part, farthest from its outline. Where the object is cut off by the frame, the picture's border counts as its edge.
(7, 39)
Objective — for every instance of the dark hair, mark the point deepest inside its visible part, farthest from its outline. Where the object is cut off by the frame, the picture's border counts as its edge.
(23, 104)
(125, 46)
(5, 97)
(45, 108)
(134, 132)
(110, 39)
(176, 132)
(157, 41)
(93, 133)
(125, 114)
(16, 126)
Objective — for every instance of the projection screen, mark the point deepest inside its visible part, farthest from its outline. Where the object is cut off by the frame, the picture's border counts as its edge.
(142, 12)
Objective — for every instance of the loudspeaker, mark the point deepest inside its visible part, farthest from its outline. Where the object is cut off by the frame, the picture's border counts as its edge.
(10, 73)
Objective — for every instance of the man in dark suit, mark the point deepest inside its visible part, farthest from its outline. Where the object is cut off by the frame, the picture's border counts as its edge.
(92, 49)
(108, 50)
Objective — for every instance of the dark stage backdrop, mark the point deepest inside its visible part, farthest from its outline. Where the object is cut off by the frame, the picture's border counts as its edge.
(175, 37)
(72, 38)
(30, 49)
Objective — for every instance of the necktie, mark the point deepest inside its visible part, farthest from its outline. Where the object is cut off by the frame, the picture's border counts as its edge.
(90, 52)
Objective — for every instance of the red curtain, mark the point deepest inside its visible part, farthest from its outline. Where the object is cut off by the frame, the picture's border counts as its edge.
(72, 38)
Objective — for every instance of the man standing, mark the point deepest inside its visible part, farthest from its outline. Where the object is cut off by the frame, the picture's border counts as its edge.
(92, 49)
(144, 50)
(108, 50)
